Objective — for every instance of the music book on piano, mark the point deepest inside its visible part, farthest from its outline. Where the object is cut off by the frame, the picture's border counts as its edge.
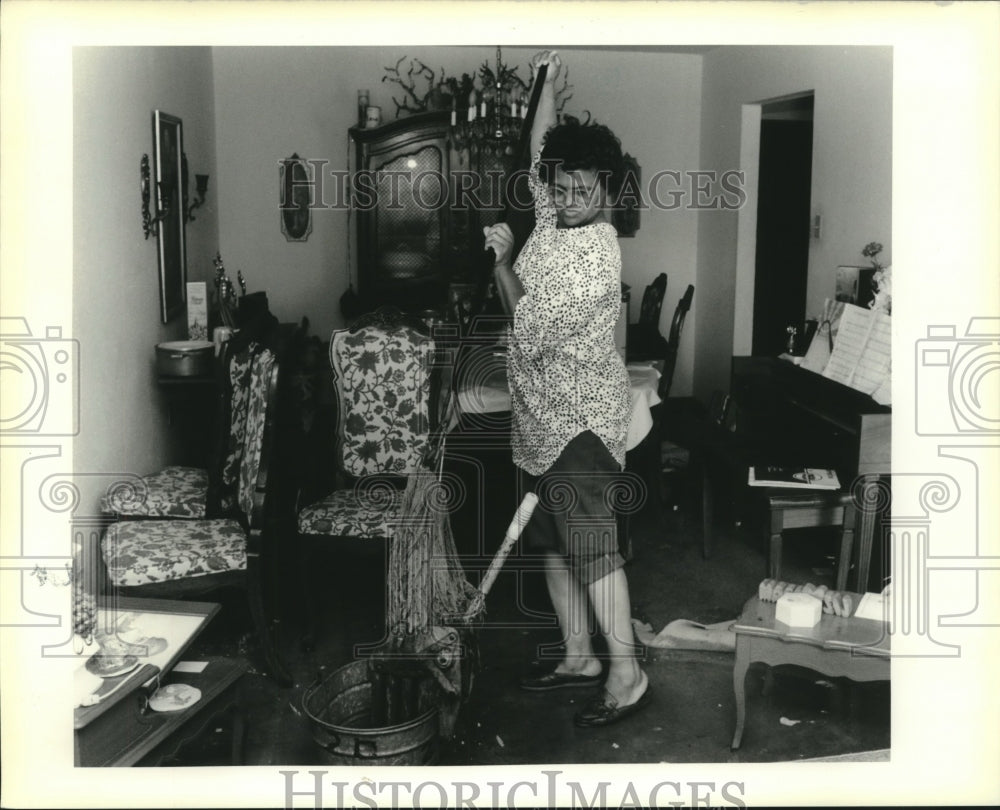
(862, 351)
(793, 477)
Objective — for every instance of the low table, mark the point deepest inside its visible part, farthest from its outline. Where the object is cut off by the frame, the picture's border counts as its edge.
(145, 737)
(838, 646)
(121, 729)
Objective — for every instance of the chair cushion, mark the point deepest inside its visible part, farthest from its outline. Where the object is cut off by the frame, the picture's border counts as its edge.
(179, 492)
(353, 513)
(138, 552)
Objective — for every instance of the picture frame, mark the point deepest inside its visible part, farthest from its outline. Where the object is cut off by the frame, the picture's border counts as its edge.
(855, 285)
(295, 206)
(168, 176)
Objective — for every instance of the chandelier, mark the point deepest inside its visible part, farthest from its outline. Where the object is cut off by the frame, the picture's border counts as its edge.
(489, 120)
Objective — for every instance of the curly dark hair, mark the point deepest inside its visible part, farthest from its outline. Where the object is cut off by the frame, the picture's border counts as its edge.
(575, 144)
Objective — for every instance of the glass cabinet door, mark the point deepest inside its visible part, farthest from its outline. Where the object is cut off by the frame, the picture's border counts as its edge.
(409, 217)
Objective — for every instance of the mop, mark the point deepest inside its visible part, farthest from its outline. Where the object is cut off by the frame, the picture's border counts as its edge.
(429, 657)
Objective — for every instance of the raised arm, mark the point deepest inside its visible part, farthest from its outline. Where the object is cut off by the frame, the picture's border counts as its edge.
(545, 114)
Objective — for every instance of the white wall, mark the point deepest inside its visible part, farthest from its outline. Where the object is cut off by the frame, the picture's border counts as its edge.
(851, 177)
(116, 305)
(271, 102)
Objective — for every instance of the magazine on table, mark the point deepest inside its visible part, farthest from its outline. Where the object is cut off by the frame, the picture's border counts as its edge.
(793, 477)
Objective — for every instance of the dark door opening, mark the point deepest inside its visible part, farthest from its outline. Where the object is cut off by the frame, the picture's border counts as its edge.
(782, 258)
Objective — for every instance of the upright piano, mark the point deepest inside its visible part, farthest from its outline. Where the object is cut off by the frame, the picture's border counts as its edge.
(795, 416)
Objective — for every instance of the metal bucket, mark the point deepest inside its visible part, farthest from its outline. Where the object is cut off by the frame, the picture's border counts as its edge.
(340, 710)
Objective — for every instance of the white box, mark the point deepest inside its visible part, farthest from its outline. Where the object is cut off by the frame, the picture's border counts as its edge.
(197, 310)
(798, 610)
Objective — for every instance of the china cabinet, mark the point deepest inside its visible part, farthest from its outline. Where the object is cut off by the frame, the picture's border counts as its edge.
(420, 206)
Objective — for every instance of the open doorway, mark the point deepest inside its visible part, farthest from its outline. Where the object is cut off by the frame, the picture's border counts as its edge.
(782, 238)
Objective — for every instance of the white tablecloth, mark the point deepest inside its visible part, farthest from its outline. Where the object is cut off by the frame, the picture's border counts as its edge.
(487, 392)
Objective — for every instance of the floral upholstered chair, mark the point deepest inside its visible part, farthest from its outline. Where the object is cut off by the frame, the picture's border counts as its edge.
(192, 492)
(176, 558)
(387, 388)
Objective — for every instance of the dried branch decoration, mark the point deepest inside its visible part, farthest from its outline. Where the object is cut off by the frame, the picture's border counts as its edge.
(441, 92)
(416, 70)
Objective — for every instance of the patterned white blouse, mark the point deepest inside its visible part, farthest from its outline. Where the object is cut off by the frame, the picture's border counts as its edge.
(564, 371)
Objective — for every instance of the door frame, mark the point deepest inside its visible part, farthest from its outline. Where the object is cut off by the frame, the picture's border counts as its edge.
(746, 229)
(751, 116)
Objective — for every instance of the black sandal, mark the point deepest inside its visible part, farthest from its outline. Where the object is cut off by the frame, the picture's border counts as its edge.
(604, 710)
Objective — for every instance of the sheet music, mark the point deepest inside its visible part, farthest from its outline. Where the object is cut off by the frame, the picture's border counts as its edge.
(861, 355)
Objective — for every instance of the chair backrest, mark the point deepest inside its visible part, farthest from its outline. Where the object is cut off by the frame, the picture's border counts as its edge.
(384, 382)
(234, 388)
(673, 342)
(258, 434)
(652, 302)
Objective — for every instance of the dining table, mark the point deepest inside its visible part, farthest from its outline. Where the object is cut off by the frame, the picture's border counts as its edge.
(481, 416)
(483, 389)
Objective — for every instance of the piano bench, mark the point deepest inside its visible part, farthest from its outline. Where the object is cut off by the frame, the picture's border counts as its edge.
(793, 509)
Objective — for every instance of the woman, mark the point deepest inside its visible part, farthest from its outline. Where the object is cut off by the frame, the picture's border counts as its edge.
(570, 394)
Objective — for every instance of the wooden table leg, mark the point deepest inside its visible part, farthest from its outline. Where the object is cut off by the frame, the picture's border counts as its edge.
(774, 543)
(865, 537)
(740, 668)
(846, 546)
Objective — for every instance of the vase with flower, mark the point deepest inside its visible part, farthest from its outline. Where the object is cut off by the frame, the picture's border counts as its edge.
(881, 279)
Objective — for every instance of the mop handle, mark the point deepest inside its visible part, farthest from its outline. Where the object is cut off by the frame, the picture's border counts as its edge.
(521, 518)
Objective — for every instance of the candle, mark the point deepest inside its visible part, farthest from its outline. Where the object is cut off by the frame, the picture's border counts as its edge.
(483, 113)
(453, 116)
(362, 106)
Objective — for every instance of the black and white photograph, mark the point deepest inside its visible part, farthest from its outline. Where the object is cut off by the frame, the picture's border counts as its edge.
(460, 501)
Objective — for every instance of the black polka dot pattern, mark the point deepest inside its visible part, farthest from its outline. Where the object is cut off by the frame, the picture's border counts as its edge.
(565, 373)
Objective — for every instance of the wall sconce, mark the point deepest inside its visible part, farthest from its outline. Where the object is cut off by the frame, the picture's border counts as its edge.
(151, 220)
(150, 223)
(201, 188)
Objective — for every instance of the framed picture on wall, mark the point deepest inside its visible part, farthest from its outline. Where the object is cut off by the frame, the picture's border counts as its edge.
(296, 197)
(854, 285)
(168, 149)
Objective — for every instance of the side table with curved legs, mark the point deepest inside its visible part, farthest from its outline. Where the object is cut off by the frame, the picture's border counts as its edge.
(838, 646)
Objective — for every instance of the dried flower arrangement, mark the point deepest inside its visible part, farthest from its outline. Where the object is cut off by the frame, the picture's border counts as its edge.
(882, 279)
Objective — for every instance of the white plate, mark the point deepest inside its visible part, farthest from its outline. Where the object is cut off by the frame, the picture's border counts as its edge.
(174, 697)
(106, 666)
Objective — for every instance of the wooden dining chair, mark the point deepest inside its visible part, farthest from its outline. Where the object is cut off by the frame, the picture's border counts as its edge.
(192, 492)
(388, 388)
(191, 557)
(674, 341)
(643, 338)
